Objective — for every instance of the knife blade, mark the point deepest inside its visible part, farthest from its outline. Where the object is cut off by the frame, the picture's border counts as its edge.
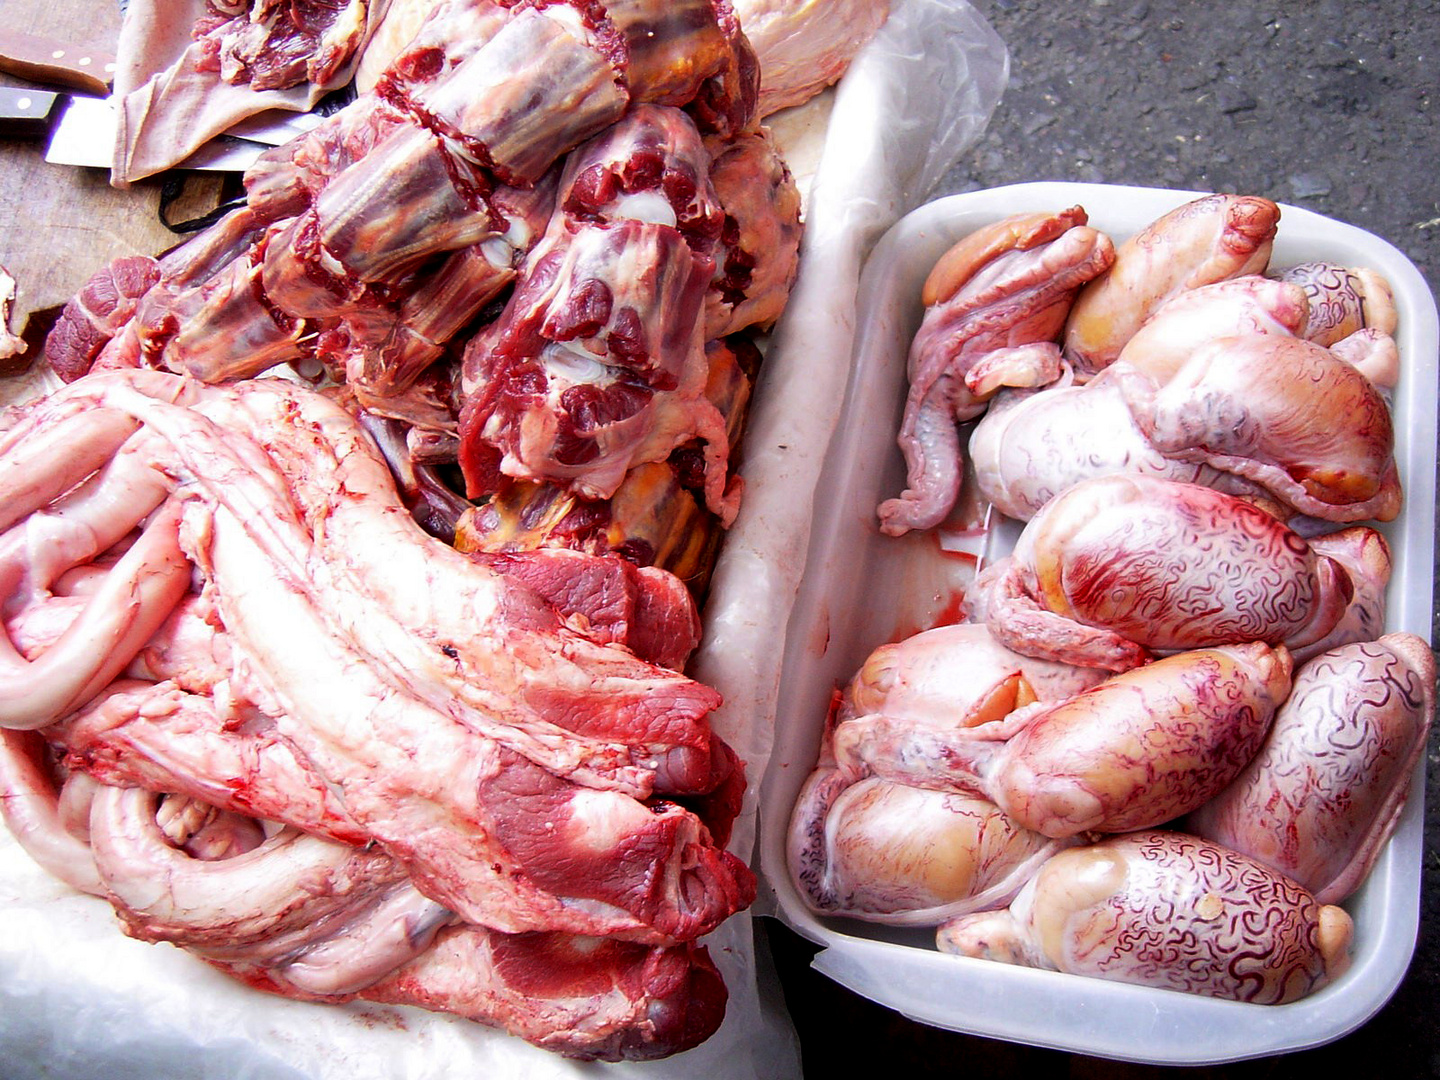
(27, 113)
(54, 63)
(85, 136)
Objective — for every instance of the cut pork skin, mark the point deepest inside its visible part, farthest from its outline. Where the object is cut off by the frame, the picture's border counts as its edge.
(285, 581)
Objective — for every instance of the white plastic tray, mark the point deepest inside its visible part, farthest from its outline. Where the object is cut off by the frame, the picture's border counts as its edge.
(861, 589)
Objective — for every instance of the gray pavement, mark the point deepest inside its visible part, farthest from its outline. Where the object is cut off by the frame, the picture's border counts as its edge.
(1326, 105)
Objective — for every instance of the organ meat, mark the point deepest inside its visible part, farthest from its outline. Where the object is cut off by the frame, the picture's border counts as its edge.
(1118, 566)
(995, 303)
(1201, 242)
(1132, 752)
(1322, 796)
(889, 849)
(1165, 910)
(1284, 413)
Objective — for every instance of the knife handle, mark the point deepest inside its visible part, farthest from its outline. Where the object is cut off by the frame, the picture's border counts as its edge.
(54, 63)
(26, 113)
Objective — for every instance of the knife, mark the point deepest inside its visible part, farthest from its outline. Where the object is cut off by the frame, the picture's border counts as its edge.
(54, 63)
(27, 113)
(85, 136)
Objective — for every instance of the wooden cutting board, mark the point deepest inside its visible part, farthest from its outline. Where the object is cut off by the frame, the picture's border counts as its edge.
(59, 224)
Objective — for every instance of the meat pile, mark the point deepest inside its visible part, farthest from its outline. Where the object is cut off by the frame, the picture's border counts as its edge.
(334, 756)
(536, 269)
(363, 679)
(1172, 735)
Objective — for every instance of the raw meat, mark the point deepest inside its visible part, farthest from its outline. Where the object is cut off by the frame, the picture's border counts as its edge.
(805, 45)
(1170, 911)
(475, 743)
(996, 302)
(1322, 796)
(1208, 240)
(1131, 753)
(1119, 566)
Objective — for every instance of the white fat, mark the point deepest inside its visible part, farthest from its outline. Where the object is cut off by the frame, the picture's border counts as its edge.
(594, 818)
(572, 363)
(649, 206)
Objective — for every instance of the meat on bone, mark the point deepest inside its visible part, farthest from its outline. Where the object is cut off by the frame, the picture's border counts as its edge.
(1132, 752)
(584, 997)
(97, 313)
(1204, 241)
(11, 345)
(1326, 790)
(273, 46)
(995, 303)
(465, 118)
(1119, 566)
(1170, 911)
(598, 362)
(758, 254)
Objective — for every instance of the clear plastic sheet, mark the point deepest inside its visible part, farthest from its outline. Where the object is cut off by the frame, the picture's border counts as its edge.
(79, 1000)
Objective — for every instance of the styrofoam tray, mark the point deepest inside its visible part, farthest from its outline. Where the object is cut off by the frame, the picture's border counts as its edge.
(861, 589)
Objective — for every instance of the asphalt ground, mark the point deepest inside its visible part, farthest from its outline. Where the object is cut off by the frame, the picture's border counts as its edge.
(1325, 105)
